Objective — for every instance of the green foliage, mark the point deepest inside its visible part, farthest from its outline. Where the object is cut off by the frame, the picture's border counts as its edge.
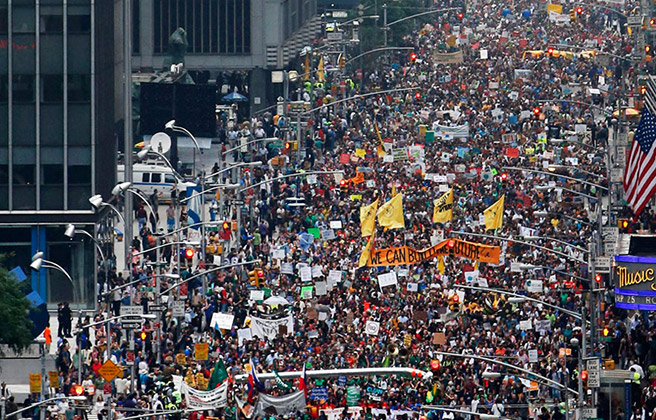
(14, 308)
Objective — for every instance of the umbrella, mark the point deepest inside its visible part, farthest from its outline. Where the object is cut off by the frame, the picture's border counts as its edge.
(235, 97)
(628, 112)
(276, 300)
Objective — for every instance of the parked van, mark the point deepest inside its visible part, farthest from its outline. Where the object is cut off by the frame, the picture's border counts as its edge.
(150, 177)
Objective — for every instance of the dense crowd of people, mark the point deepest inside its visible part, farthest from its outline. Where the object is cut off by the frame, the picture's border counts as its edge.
(463, 126)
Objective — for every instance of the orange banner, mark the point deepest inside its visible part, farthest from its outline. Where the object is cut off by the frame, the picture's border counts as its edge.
(455, 247)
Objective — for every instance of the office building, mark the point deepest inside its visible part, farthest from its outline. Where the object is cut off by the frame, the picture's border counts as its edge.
(57, 134)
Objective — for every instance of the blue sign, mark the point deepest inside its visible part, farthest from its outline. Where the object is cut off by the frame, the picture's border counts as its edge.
(319, 393)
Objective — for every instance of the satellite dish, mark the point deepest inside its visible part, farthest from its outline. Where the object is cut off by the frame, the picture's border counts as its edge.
(160, 142)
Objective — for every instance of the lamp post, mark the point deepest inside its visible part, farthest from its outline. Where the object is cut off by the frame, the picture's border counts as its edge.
(171, 126)
(38, 261)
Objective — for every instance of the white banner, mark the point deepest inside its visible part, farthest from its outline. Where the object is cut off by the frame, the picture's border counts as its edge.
(452, 132)
(336, 413)
(269, 328)
(280, 406)
(209, 400)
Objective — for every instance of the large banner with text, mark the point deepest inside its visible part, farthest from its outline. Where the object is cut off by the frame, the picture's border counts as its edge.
(404, 255)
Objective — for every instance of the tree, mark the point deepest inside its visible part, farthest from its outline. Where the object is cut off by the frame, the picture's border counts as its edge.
(15, 324)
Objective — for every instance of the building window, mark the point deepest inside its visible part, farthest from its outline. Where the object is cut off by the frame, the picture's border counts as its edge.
(52, 174)
(24, 174)
(79, 88)
(79, 175)
(23, 88)
(79, 19)
(4, 88)
(23, 19)
(212, 26)
(136, 19)
(4, 19)
(52, 89)
(51, 24)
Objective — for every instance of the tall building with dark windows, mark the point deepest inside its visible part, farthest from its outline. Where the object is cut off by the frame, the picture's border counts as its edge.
(57, 141)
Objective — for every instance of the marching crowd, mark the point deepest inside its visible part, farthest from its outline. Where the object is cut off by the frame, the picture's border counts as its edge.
(463, 126)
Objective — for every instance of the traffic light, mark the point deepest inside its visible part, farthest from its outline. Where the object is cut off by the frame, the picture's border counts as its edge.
(343, 185)
(623, 225)
(584, 376)
(572, 15)
(226, 225)
(418, 96)
(454, 303)
(579, 11)
(504, 176)
(342, 61)
(647, 49)
(605, 332)
(461, 15)
(189, 254)
(77, 390)
(143, 335)
(435, 364)
(550, 51)
(652, 22)
(537, 111)
(255, 276)
(413, 57)
(598, 278)
(291, 145)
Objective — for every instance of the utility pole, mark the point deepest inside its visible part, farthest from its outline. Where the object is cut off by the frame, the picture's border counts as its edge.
(127, 128)
(385, 28)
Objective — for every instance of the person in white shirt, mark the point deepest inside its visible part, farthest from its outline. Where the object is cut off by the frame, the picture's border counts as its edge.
(497, 408)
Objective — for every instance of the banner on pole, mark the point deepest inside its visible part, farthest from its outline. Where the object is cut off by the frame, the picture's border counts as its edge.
(455, 247)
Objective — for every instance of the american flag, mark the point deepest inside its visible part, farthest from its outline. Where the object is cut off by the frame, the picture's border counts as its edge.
(640, 171)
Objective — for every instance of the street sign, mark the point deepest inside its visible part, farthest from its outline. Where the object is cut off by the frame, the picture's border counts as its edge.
(594, 375)
(621, 156)
(589, 412)
(613, 231)
(340, 14)
(334, 36)
(616, 174)
(157, 308)
(35, 383)
(609, 248)
(602, 264)
(635, 20)
(109, 370)
(129, 357)
(131, 310)
(177, 308)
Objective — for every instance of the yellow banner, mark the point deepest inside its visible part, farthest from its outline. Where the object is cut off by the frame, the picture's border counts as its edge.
(53, 376)
(202, 351)
(455, 247)
(35, 383)
(443, 210)
(368, 218)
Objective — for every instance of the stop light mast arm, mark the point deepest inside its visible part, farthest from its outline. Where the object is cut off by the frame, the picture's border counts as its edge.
(202, 273)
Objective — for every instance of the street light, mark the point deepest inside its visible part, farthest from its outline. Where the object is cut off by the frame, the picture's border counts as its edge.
(554, 167)
(97, 202)
(38, 261)
(171, 126)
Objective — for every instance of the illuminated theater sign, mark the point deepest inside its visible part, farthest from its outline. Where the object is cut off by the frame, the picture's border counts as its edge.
(635, 285)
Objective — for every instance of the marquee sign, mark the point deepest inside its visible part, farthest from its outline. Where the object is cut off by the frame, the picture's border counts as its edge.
(635, 282)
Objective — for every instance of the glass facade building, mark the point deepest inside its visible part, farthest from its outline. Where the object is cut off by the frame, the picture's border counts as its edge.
(56, 118)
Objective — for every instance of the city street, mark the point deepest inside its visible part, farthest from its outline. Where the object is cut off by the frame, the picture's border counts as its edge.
(430, 210)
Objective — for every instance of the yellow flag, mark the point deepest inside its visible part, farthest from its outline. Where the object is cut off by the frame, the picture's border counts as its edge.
(494, 215)
(320, 74)
(443, 210)
(556, 8)
(390, 214)
(368, 218)
(306, 67)
(440, 264)
(393, 190)
(366, 252)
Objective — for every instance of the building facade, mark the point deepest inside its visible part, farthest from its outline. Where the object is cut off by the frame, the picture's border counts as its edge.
(57, 141)
(226, 35)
